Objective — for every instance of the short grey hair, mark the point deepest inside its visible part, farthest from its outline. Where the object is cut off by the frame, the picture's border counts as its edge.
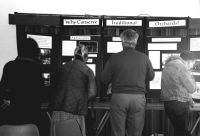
(129, 37)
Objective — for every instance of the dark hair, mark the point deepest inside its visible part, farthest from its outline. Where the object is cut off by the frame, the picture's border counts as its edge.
(30, 49)
(187, 55)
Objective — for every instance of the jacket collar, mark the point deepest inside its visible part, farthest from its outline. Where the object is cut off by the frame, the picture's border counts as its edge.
(128, 48)
(175, 58)
(79, 58)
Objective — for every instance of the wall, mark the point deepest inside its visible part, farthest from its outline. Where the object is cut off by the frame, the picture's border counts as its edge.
(8, 47)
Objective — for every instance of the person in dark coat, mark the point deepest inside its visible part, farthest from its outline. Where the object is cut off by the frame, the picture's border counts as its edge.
(75, 86)
(20, 87)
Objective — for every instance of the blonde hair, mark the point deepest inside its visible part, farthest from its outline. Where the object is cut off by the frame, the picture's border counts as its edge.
(81, 51)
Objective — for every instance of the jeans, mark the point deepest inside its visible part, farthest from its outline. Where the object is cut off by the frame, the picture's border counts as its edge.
(127, 114)
(178, 114)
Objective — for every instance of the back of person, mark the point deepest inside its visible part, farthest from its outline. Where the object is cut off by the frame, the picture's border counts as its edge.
(75, 86)
(176, 81)
(129, 69)
(22, 78)
(128, 72)
(177, 85)
(25, 89)
(73, 81)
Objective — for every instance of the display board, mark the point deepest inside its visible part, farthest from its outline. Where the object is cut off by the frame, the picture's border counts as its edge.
(113, 26)
(159, 38)
(85, 30)
(194, 42)
(165, 36)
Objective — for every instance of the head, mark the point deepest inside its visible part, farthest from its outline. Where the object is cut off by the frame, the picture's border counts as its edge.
(30, 49)
(129, 38)
(189, 58)
(81, 52)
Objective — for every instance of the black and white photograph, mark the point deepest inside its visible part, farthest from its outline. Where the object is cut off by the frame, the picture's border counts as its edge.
(100, 68)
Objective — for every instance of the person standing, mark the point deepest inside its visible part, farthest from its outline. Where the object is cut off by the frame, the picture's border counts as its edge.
(128, 71)
(75, 86)
(177, 84)
(21, 86)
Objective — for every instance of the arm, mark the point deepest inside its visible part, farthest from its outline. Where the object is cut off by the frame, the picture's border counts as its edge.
(4, 89)
(187, 80)
(92, 89)
(191, 102)
(150, 72)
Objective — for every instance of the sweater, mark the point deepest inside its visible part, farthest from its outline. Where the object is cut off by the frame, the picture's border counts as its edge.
(129, 71)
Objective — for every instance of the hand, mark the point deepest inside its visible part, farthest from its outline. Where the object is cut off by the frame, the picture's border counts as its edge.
(5, 104)
(109, 89)
(198, 90)
(191, 103)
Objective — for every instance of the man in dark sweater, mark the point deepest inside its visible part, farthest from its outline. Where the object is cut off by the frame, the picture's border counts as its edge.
(128, 71)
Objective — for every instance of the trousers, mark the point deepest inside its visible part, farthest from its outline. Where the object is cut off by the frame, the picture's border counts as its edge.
(127, 114)
(63, 118)
(178, 113)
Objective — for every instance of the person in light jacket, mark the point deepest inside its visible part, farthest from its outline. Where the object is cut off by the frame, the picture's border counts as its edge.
(177, 84)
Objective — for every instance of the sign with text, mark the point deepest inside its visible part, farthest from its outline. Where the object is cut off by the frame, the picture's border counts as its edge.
(80, 37)
(116, 39)
(80, 22)
(167, 23)
(123, 22)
